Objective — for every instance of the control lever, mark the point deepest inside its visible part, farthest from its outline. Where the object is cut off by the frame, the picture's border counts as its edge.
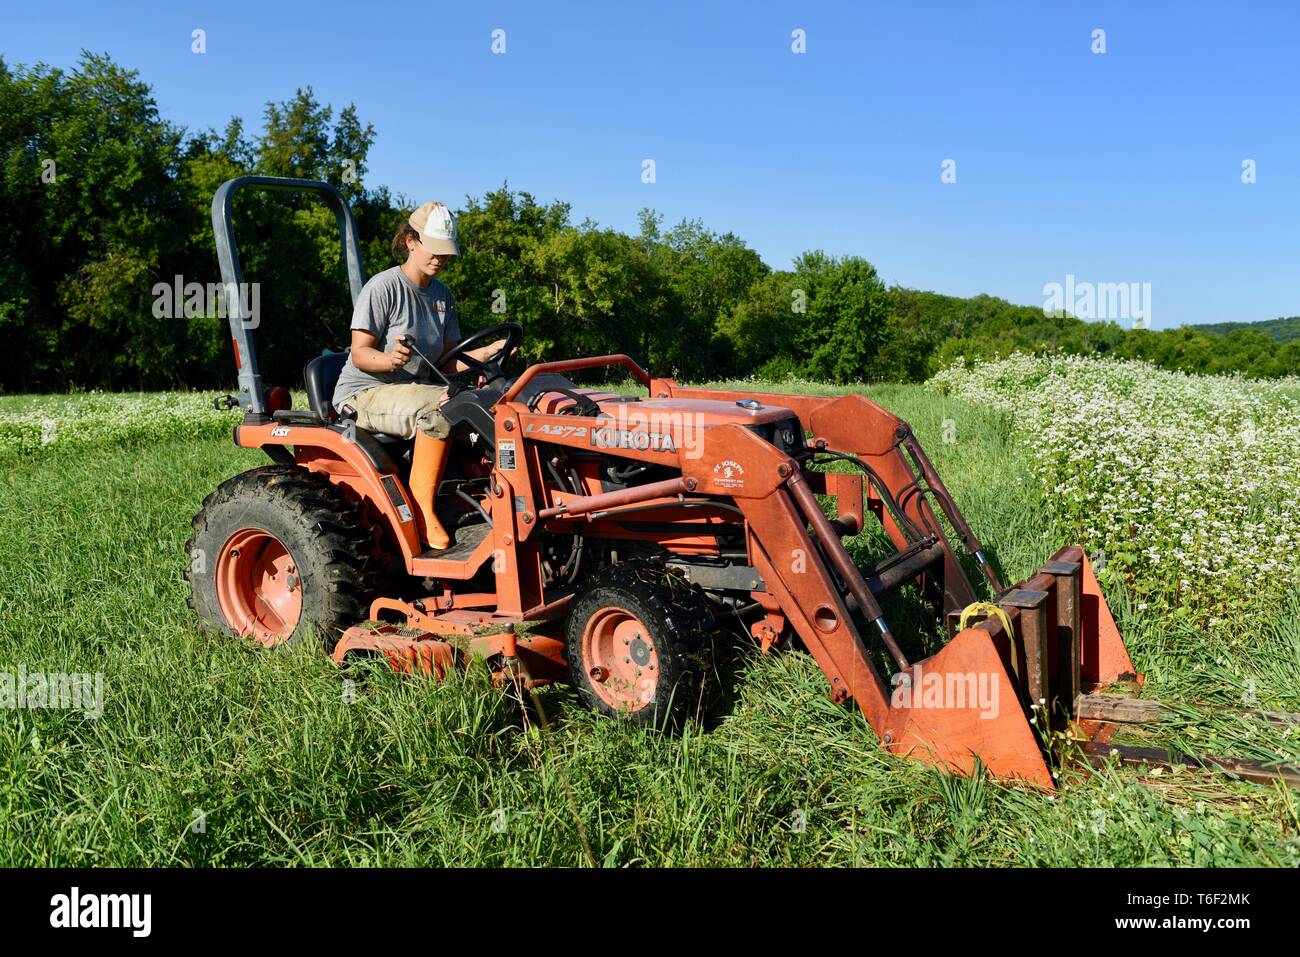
(409, 342)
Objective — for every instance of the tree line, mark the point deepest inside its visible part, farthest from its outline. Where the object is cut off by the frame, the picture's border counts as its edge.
(103, 202)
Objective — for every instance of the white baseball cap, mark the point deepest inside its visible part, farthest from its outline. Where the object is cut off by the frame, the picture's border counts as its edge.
(437, 228)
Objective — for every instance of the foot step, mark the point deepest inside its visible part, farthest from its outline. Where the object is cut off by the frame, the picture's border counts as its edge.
(462, 547)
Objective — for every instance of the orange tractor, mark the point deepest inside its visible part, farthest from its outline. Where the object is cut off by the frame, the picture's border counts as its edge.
(613, 540)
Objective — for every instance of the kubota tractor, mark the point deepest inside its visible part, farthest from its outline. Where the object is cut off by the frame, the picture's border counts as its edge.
(611, 540)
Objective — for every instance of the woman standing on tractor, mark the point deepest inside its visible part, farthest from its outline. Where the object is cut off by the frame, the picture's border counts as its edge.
(381, 381)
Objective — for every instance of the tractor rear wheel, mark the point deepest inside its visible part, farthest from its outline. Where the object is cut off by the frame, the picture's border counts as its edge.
(278, 552)
(639, 642)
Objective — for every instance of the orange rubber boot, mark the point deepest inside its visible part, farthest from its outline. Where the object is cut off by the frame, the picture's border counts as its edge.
(427, 462)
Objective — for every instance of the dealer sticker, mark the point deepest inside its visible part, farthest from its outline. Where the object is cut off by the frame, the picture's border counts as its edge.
(729, 474)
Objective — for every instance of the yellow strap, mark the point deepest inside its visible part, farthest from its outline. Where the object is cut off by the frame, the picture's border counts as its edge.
(985, 609)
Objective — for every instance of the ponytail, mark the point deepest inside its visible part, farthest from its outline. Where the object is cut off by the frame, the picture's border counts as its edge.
(404, 231)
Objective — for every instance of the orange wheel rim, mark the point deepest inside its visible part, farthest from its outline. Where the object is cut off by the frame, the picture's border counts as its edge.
(259, 589)
(620, 659)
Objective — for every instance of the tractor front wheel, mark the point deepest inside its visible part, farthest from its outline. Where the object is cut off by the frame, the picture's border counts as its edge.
(278, 552)
(639, 644)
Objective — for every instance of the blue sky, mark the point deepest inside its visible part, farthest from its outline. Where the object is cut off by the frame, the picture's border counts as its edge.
(1115, 167)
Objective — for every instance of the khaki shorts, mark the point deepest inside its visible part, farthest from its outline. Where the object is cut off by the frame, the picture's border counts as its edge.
(402, 409)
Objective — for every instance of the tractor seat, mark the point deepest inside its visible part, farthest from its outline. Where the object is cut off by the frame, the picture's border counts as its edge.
(320, 375)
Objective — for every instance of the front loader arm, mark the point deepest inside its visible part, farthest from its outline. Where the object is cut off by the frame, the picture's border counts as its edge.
(790, 562)
(904, 484)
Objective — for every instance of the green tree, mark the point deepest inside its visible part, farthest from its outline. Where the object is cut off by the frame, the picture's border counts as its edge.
(848, 307)
(762, 328)
(89, 205)
(706, 274)
(605, 295)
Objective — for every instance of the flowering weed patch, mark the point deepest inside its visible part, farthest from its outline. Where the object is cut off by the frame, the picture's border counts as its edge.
(42, 424)
(1185, 486)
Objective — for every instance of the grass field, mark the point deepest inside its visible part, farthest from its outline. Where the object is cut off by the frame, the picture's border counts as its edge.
(212, 752)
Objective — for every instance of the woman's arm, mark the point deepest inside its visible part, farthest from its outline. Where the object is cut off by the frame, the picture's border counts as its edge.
(482, 354)
(369, 359)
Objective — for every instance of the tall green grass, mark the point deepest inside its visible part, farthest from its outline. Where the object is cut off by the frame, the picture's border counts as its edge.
(213, 752)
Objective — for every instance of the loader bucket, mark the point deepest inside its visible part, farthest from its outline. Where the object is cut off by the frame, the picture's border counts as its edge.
(998, 690)
(999, 687)
(961, 705)
(1105, 658)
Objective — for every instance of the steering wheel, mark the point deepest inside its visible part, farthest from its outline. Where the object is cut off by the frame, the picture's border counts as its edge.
(491, 368)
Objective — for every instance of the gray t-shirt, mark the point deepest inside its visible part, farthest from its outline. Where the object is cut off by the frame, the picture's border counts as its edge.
(391, 306)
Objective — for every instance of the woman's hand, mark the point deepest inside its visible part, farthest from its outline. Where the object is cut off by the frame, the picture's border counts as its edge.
(367, 358)
(398, 357)
(484, 353)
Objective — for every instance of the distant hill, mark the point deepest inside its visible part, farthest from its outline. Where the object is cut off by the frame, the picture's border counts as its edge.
(1279, 330)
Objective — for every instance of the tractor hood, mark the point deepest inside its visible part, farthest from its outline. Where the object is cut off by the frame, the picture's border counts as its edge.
(710, 412)
(652, 421)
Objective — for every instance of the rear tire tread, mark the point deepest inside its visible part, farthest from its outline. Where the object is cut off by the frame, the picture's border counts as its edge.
(338, 553)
